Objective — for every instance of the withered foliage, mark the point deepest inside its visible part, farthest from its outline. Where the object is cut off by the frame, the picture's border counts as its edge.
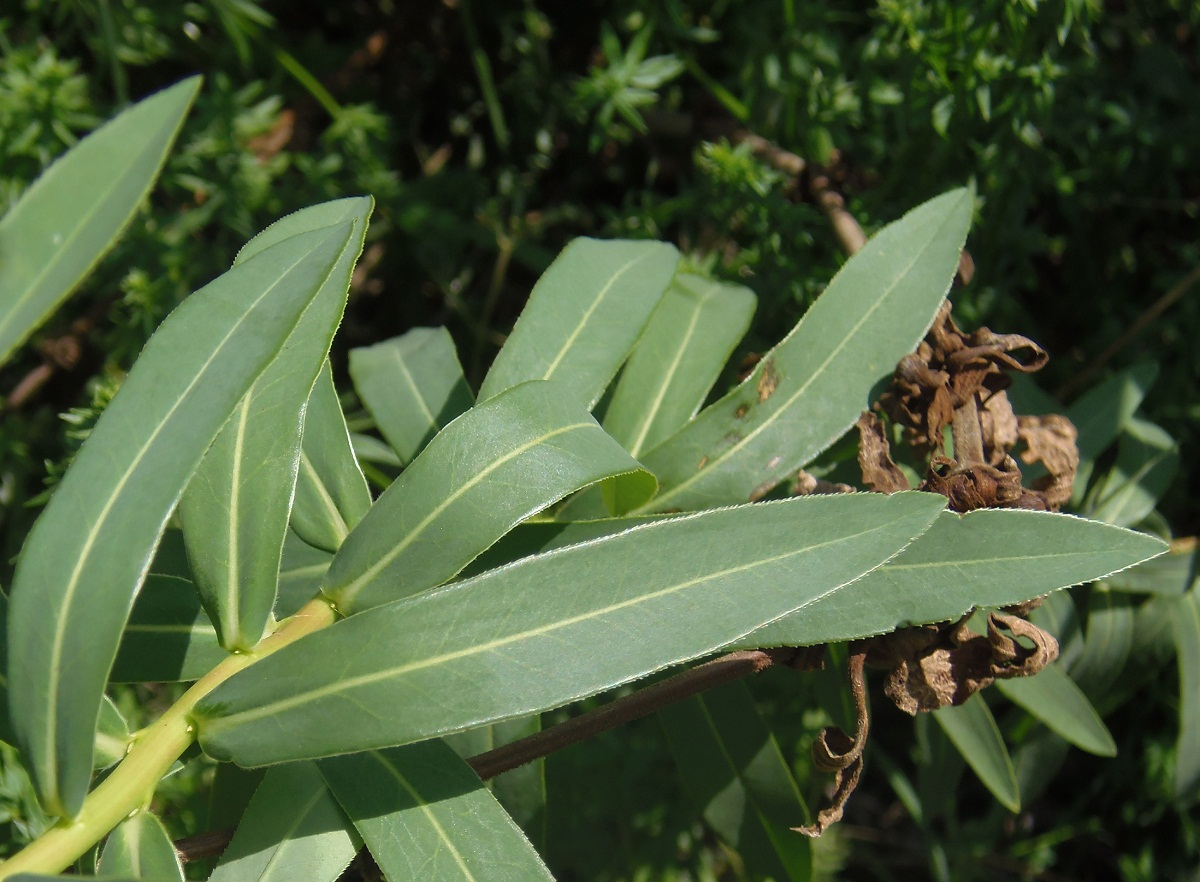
(949, 398)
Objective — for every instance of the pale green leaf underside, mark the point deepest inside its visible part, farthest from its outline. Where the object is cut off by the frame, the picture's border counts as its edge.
(235, 509)
(490, 469)
(553, 628)
(974, 733)
(413, 385)
(425, 815)
(583, 317)
(73, 213)
(813, 385)
(1054, 699)
(140, 848)
(292, 830)
(120, 490)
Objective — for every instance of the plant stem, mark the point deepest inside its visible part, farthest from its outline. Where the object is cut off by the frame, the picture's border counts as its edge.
(131, 785)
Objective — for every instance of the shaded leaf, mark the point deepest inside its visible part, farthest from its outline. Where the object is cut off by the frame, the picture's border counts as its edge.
(1171, 574)
(112, 736)
(735, 773)
(989, 557)
(425, 815)
(412, 385)
(1101, 413)
(1147, 459)
(300, 575)
(813, 385)
(1108, 638)
(554, 628)
(70, 217)
(583, 317)
(122, 487)
(974, 732)
(1187, 747)
(236, 507)
(6, 730)
(331, 492)
(492, 468)
(141, 849)
(1054, 699)
(292, 829)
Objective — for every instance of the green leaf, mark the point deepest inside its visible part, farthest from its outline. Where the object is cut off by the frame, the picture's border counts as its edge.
(1172, 574)
(812, 386)
(87, 553)
(583, 317)
(1186, 626)
(1100, 414)
(6, 730)
(112, 736)
(140, 849)
(1106, 646)
(974, 732)
(492, 468)
(300, 575)
(293, 829)
(989, 557)
(73, 213)
(1054, 699)
(235, 509)
(554, 628)
(412, 385)
(331, 493)
(735, 773)
(691, 333)
(1147, 459)
(425, 815)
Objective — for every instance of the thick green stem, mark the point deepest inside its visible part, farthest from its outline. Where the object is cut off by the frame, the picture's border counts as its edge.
(131, 785)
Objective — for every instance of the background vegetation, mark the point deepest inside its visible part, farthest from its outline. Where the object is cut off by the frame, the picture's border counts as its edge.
(491, 134)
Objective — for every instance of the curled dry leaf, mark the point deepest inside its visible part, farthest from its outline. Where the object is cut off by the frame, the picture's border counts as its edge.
(1050, 440)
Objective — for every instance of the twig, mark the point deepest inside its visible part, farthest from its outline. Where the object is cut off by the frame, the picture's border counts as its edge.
(845, 227)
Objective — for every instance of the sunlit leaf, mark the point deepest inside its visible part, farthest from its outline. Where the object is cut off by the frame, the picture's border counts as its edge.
(140, 848)
(1053, 698)
(974, 733)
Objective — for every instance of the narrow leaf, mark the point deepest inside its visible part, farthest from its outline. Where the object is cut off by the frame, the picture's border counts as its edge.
(1187, 649)
(1108, 640)
(140, 849)
(812, 386)
(1101, 413)
(1172, 574)
(734, 771)
(1054, 699)
(553, 628)
(974, 732)
(112, 736)
(235, 509)
(691, 333)
(990, 557)
(73, 213)
(492, 468)
(71, 594)
(412, 385)
(6, 730)
(425, 815)
(1147, 459)
(293, 829)
(331, 492)
(583, 317)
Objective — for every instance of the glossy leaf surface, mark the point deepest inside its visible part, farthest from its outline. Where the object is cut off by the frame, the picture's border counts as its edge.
(412, 385)
(1053, 698)
(140, 849)
(425, 815)
(331, 492)
(989, 557)
(292, 830)
(973, 731)
(550, 629)
(690, 335)
(812, 386)
(235, 509)
(492, 468)
(120, 490)
(73, 213)
(583, 317)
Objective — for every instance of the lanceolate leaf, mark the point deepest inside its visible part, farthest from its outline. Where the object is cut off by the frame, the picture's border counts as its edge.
(693, 330)
(413, 385)
(112, 736)
(734, 771)
(1100, 414)
(1147, 458)
(140, 849)
(331, 492)
(1106, 646)
(1056, 701)
(492, 468)
(583, 317)
(811, 387)
(235, 510)
(553, 628)
(1187, 649)
(6, 731)
(292, 830)
(88, 552)
(300, 575)
(974, 732)
(425, 815)
(75, 211)
(990, 557)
